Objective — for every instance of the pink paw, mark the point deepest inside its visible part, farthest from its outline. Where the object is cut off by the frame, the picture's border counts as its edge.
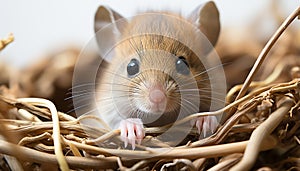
(132, 130)
(207, 125)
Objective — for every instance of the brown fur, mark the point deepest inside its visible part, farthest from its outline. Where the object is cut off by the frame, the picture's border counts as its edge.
(158, 65)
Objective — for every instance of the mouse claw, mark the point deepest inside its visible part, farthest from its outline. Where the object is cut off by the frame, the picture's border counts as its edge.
(132, 131)
(139, 141)
(125, 142)
(205, 128)
(132, 142)
(123, 134)
(206, 125)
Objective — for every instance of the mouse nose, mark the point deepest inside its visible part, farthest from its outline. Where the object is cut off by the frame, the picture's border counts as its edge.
(156, 94)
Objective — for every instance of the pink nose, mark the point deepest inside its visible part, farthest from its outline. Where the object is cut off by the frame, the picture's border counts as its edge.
(157, 95)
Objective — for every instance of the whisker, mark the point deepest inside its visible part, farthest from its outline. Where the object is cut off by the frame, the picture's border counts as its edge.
(83, 85)
(213, 99)
(85, 99)
(114, 90)
(89, 104)
(116, 84)
(142, 80)
(206, 71)
(79, 107)
(81, 91)
(89, 93)
(198, 81)
(114, 97)
(137, 113)
(188, 110)
(185, 108)
(113, 84)
(80, 95)
(204, 90)
(123, 77)
(90, 111)
(190, 103)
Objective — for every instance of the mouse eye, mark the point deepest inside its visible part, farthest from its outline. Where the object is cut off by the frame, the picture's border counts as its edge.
(182, 66)
(133, 67)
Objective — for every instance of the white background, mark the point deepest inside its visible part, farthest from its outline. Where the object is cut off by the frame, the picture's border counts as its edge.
(43, 26)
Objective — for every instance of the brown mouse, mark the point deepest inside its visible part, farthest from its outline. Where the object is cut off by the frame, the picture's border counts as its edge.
(156, 72)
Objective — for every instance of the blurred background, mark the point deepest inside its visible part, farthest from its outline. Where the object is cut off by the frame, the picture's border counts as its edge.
(41, 27)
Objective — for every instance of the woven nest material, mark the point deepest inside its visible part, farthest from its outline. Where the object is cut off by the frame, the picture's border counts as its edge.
(261, 131)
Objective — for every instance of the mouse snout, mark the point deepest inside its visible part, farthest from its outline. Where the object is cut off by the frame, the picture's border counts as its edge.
(157, 94)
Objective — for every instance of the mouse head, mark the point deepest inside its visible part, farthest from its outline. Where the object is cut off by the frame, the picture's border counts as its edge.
(152, 62)
(205, 18)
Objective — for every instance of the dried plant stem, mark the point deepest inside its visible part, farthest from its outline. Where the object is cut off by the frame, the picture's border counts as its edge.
(28, 116)
(138, 165)
(223, 165)
(264, 53)
(229, 106)
(5, 42)
(13, 163)
(272, 77)
(5, 135)
(80, 140)
(212, 151)
(104, 137)
(161, 153)
(56, 129)
(111, 162)
(74, 150)
(41, 157)
(101, 121)
(259, 134)
(35, 110)
(198, 163)
(188, 164)
(26, 140)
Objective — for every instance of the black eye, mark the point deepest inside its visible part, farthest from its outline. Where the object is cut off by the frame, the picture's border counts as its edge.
(182, 66)
(133, 67)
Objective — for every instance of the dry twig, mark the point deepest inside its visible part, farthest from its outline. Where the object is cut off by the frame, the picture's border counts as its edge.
(264, 53)
(5, 42)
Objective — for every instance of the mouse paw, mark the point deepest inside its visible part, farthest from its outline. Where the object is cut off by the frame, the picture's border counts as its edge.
(207, 125)
(132, 130)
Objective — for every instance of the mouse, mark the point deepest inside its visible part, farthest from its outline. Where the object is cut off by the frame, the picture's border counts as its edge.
(156, 69)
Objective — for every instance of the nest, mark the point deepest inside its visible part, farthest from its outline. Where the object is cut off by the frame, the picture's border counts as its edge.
(260, 130)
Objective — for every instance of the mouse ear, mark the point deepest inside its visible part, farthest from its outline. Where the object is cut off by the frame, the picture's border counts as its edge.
(107, 30)
(206, 18)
